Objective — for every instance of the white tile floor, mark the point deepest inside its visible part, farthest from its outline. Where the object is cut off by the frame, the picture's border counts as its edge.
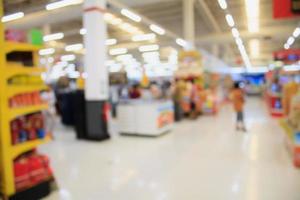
(200, 160)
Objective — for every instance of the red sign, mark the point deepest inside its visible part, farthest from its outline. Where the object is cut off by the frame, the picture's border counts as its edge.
(287, 56)
(284, 9)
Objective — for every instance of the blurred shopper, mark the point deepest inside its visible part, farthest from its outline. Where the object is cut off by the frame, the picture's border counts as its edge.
(135, 92)
(238, 100)
(177, 97)
(155, 90)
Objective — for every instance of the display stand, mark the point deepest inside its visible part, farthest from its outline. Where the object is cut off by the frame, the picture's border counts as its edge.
(293, 142)
(145, 118)
(8, 151)
(274, 104)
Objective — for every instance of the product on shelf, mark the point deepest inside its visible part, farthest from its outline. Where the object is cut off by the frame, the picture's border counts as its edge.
(289, 91)
(31, 169)
(27, 128)
(26, 99)
(294, 115)
(15, 35)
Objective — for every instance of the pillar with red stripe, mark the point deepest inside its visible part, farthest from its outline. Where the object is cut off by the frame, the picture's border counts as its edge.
(97, 85)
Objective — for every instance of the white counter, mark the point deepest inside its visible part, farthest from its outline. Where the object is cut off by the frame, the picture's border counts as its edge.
(151, 118)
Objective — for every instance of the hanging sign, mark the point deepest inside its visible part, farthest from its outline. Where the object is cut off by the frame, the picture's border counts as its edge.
(286, 8)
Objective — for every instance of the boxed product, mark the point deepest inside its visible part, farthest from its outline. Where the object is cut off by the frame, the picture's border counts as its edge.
(27, 128)
(31, 169)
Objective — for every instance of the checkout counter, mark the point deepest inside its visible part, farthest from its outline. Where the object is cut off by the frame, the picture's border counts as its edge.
(145, 117)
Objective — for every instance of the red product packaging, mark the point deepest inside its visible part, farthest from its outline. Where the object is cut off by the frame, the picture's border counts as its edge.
(38, 121)
(15, 137)
(38, 172)
(15, 128)
(30, 128)
(21, 171)
(18, 100)
(37, 98)
(46, 162)
(297, 156)
(31, 134)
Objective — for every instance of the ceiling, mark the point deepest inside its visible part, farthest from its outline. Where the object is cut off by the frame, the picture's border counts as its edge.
(211, 30)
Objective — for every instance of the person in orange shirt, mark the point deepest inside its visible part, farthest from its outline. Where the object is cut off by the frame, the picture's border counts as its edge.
(238, 101)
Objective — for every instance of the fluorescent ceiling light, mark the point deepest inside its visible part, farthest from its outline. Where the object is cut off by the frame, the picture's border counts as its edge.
(118, 51)
(125, 26)
(51, 37)
(74, 47)
(181, 42)
(116, 21)
(144, 37)
(239, 41)
(69, 57)
(290, 41)
(110, 42)
(133, 29)
(83, 31)
(131, 15)
(145, 48)
(61, 64)
(254, 48)
(252, 10)
(150, 54)
(235, 32)
(296, 32)
(125, 57)
(108, 16)
(157, 29)
(44, 52)
(11, 17)
(230, 20)
(63, 3)
(223, 4)
(286, 46)
(130, 28)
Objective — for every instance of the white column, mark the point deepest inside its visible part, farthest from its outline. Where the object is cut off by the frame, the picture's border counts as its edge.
(96, 87)
(189, 21)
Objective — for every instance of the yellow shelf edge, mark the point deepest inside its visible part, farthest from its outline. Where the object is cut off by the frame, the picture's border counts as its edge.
(288, 130)
(18, 149)
(19, 89)
(16, 112)
(14, 71)
(17, 46)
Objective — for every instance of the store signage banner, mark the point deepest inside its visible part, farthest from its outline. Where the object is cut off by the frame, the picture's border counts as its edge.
(286, 8)
(287, 56)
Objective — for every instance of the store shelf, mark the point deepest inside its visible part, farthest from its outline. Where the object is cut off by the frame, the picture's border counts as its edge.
(27, 146)
(17, 46)
(18, 89)
(16, 112)
(19, 70)
(288, 130)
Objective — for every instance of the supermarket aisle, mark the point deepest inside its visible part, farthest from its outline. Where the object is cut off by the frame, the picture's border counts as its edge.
(203, 159)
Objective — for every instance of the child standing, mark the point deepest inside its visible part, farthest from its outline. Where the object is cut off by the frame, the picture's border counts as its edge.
(238, 104)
